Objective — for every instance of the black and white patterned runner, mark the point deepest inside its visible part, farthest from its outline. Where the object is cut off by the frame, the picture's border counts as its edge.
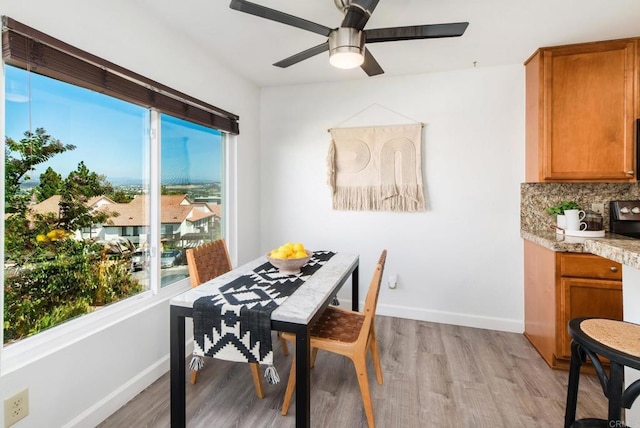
(235, 323)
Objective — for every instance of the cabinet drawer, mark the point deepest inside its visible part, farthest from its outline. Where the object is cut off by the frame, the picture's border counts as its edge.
(589, 266)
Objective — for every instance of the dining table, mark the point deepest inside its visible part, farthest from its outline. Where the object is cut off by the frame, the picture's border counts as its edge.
(297, 314)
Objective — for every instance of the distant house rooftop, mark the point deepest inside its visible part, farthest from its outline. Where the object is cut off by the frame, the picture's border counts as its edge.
(175, 209)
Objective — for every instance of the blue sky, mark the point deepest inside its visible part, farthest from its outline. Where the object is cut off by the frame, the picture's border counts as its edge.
(109, 133)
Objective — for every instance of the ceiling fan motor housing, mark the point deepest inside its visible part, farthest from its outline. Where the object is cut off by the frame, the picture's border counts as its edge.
(346, 42)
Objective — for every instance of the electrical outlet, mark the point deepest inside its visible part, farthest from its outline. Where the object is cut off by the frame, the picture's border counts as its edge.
(598, 207)
(393, 281)
(16, 407)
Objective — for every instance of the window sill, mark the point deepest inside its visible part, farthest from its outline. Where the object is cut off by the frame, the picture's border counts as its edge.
(31, 349)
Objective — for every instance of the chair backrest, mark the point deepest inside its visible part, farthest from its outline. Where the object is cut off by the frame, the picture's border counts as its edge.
(208, 261)
(371, 301)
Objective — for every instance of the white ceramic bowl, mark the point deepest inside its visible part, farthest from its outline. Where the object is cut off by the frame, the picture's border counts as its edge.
(290, 266)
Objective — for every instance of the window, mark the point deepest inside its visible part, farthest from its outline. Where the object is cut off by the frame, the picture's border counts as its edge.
(131, 231)
(190, 208)
(80, 178)
(71, 259)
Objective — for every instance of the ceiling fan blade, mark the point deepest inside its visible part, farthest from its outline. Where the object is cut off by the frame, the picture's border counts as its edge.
(370, 65)
(415, 32)
(358, 13)
(275, 15)
(301, 56)
(368, 5)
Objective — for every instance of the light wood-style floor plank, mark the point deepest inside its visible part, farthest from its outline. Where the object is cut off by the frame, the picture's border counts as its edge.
(435, 375)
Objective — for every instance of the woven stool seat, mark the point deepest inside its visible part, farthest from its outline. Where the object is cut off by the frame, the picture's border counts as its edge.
(620, 335)
(619, 342)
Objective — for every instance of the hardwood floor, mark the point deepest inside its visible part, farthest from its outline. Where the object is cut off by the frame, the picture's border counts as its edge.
(435, 375)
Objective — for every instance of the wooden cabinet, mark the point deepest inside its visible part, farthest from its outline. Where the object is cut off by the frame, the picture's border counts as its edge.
(582, 102)
(561, 286)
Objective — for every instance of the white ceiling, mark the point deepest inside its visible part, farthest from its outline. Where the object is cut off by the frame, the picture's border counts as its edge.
(500, 32)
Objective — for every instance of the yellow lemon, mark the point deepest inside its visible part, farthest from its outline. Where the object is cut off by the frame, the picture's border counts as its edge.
(277, 255)
(286, 250)
(298, 247)
(300, 255)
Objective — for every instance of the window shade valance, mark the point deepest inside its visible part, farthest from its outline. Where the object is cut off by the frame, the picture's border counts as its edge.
(25, 47)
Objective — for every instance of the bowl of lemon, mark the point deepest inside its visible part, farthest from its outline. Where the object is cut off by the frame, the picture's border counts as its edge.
(289, 258)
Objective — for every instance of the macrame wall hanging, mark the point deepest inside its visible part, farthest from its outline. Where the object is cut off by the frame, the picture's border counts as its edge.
(376, 168)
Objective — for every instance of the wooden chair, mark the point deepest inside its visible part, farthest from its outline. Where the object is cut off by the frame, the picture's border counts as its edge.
(209, 261)
(347, 333)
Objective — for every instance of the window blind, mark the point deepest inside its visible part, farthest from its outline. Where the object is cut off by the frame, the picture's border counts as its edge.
(25, 47)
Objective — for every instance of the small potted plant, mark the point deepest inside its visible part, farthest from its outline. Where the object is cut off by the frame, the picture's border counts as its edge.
(559, 209)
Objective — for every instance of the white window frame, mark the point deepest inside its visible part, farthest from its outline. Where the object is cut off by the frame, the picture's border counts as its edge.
(38, 346)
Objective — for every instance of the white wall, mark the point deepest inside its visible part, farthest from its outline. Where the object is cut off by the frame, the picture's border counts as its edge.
(460, 261)
(80, 384)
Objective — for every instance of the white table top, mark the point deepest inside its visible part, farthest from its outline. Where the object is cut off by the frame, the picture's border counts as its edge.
(300, 307)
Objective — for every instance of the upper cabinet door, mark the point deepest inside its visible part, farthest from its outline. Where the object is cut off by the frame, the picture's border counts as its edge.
(582, 103)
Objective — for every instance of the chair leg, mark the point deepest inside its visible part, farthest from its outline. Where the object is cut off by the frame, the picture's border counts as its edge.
(291, 384)
(257, 382)
(614, 393)
(577, 358)
(361, 371)
(283, 343)
(374, 355)
(314, 354)
(194, 376)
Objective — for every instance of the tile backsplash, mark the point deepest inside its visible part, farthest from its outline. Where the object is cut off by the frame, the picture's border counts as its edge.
(536, 197)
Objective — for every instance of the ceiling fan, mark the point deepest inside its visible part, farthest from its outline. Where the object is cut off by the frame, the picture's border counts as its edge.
(346, 43)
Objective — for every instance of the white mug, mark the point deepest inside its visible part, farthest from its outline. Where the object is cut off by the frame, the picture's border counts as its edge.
(574, 219)
(561, 221)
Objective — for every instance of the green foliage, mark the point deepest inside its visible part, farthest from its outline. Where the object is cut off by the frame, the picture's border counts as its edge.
(120, 197)
(20, 158)
(50, 277)
(65, 280)
(23, 225)
(80, 186)
(560, 207)
(20, 232)
(50, 184)
(60, 314)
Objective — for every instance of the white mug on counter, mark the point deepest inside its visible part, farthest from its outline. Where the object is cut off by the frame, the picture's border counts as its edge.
(574, 219)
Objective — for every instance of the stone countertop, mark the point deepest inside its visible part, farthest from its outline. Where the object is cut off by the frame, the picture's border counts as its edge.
(554, 241)
(623, 250)
(614, 247)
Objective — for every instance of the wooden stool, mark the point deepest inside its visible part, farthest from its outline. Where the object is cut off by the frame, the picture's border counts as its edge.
(618, 341)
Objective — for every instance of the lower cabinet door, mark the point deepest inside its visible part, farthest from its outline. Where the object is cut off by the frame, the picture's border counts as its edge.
(581, 297)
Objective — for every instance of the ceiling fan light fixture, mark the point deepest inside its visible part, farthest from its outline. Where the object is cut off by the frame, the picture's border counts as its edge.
(346, 48)
(350, 58)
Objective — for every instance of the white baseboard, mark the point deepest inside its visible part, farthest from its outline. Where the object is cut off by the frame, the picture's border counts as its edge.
(104, 408)
(455, 318)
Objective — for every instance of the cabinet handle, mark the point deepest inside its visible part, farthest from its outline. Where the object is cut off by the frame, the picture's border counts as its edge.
(614, 269)
(630, 172)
